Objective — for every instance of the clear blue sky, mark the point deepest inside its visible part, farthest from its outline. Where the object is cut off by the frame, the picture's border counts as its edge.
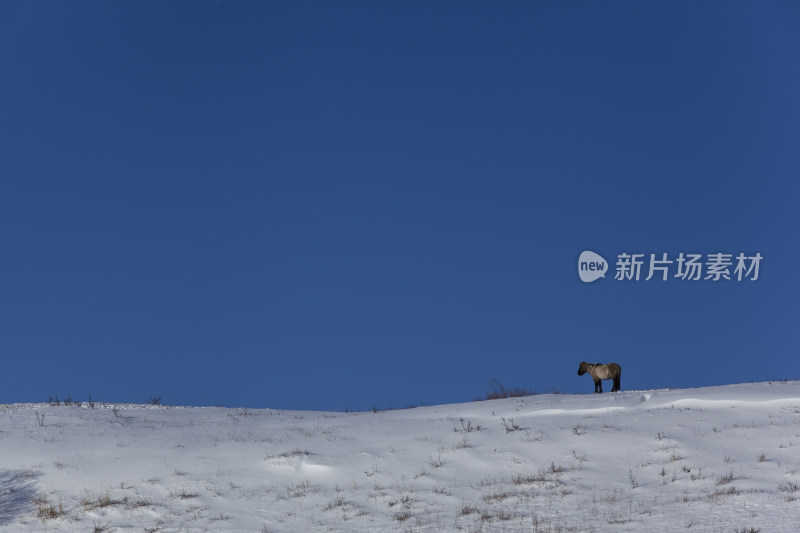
(321, 205)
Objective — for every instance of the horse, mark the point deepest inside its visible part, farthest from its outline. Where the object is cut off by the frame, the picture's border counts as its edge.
(599, 371)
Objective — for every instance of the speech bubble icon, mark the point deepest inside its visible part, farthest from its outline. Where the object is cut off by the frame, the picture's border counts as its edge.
(591, 266)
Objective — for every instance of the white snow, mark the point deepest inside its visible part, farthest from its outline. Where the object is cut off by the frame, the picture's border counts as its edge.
(713, 459)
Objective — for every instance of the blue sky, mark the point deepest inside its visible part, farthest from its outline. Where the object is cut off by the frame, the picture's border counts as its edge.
(320, 205)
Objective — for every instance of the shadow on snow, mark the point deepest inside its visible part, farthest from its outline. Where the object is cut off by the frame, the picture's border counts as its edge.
(17, 493)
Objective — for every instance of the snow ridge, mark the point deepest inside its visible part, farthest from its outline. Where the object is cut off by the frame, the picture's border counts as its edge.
(711, 459)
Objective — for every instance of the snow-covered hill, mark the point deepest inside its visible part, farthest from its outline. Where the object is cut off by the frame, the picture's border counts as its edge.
(714, 459)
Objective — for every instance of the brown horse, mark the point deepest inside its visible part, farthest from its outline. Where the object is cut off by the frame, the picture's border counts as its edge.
(599, 371)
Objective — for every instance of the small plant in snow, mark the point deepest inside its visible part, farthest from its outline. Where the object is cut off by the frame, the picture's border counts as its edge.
(299, 490)
(462, 444)
(496, 497)
(100, 528)
(580, 457)
(467, 510)
(467, 426)
(294, 453)
(182, 494)
(436, 462)
(90, 502)
(339, 501)
(510, 425)
(48, 511)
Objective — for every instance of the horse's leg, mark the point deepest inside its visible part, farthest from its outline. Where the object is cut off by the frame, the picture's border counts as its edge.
(598, 386)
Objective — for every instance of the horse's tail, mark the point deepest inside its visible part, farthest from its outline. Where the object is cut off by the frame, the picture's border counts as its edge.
(618, 379)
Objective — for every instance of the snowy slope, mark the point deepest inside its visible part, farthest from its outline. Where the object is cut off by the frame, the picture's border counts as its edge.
(713, 459)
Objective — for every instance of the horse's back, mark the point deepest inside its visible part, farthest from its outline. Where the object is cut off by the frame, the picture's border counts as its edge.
(609, 371)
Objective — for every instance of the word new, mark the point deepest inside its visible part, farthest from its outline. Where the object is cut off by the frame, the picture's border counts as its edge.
(591, 266)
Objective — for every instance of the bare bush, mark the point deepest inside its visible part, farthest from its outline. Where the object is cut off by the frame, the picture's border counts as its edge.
(726, 478)
(510, 425)
(436, 462)
(467, 426)
(496, 391)
(298, 490)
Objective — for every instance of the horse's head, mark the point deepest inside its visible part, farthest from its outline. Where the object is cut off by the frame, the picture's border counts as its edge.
(582, 369)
